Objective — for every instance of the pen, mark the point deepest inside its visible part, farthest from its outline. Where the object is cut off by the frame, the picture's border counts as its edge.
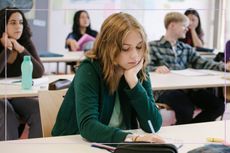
(102, 146)
(181, 145)
(151, 126)
(218, 140)
(17, 81)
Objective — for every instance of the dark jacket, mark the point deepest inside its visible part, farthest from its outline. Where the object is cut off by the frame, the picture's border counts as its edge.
(14, 69)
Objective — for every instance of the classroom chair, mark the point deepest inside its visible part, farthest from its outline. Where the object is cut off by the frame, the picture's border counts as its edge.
(227, 51)
(49, 104)
(168, 115)
(227, 59)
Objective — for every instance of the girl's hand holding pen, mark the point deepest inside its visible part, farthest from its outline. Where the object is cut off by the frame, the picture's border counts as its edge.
(152, 138)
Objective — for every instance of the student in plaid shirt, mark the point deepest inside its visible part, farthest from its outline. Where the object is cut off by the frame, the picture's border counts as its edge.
(170, 54)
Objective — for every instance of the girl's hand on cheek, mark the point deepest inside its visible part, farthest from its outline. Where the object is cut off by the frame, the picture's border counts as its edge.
(131, 74)
(134, 70)
(17, 47)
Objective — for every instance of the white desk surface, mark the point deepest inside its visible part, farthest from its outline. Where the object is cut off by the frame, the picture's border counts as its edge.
(68, 57)
(190, 135)
(174, 81)
(14, 89)
(195, 135)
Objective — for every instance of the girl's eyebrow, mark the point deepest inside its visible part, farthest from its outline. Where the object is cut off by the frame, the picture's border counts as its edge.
(15, 20)
(12, 20)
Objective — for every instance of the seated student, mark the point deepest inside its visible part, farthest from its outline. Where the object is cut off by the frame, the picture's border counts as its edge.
(81, 30)
(81, 27)
(111, 90)
(170, 54)
(227, 51)
(195, 34)
(15, 43)
(224, 56)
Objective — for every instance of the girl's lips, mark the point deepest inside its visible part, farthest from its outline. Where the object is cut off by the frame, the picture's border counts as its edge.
(132, 62)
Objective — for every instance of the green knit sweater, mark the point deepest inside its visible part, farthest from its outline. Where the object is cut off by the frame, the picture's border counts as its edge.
(88, 106)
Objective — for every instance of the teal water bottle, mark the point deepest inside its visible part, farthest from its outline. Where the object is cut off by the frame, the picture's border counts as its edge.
(27, 70)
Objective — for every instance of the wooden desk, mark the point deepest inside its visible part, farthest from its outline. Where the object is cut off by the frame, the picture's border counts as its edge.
(64, 144)
(174, 81)
(68, 57)
(190, 135)
(168, 81)
(14, 89)
(195, 135)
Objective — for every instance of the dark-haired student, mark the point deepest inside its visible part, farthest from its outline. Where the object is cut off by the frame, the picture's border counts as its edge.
(15, 43)
(81, 26)
(194, 35)
(111, 91)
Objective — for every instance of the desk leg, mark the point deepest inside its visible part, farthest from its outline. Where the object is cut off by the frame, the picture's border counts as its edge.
(57, 71)
(66, 67)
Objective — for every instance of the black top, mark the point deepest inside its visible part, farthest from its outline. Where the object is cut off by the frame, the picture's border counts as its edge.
(14, 69)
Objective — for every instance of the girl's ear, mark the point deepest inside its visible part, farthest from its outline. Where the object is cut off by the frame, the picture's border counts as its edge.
(115, 62)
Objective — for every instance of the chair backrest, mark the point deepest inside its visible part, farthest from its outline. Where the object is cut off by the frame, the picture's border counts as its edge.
(49, 104)
(227, 58)
(227, 51)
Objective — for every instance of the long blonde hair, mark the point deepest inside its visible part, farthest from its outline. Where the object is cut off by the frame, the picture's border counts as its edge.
(108, 45)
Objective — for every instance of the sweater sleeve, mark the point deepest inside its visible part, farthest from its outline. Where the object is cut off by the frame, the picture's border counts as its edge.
(155, 57)
(4, 54)
(14, 68)
(87, 90)
(141, 99)
(199, 62)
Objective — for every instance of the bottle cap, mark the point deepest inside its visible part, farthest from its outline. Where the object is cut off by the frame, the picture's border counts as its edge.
(26, 58)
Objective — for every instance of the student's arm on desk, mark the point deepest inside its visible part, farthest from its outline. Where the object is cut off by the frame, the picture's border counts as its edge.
(162, 69)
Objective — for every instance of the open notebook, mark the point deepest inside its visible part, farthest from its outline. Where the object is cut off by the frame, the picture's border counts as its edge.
(196, 72)
(86, 42)
(17, 81)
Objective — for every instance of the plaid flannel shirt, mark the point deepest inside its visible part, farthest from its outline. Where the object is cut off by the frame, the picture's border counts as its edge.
(161, 53)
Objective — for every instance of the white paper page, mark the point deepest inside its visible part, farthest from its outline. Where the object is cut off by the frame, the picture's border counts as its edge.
(10, 80)
(189, 72)
(17, 80)
(211, 72)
